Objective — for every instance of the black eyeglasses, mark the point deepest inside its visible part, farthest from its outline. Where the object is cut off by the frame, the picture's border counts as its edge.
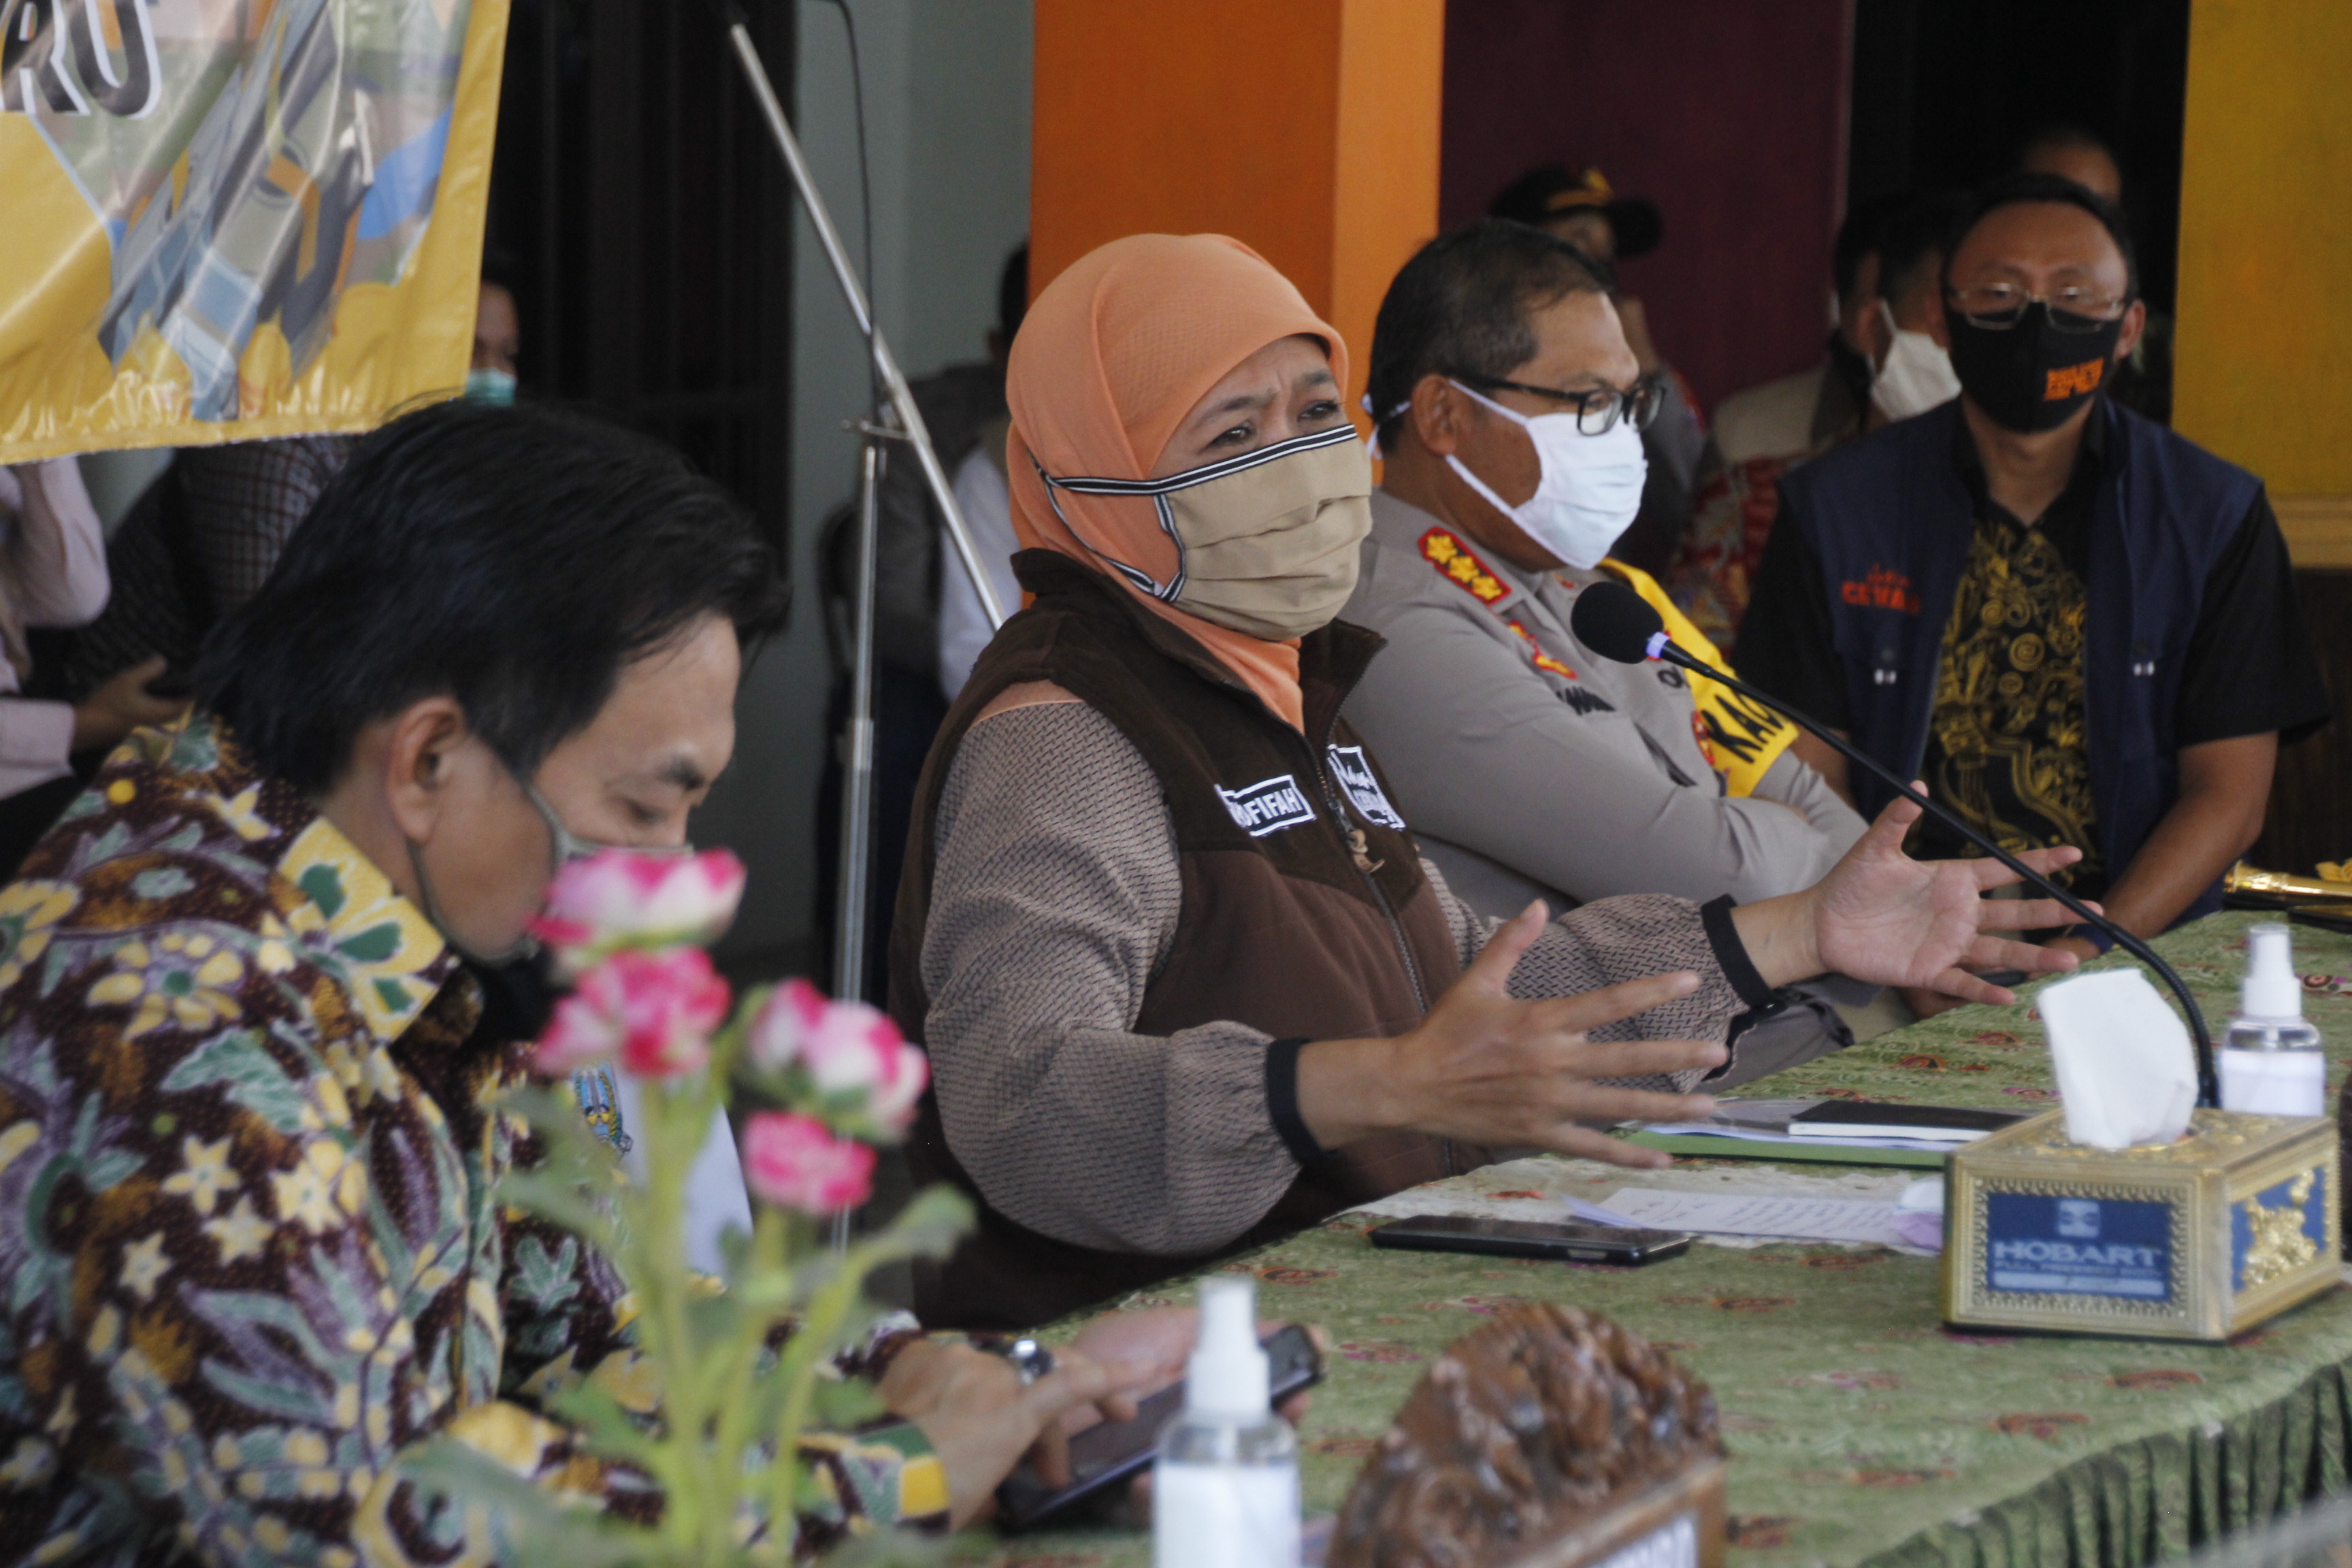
(1997, 306)
(1596, 411)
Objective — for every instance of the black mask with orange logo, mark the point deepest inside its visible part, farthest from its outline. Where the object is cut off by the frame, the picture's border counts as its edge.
(2032, 376)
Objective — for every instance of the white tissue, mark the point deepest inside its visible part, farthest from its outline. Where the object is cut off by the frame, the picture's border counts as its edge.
(2124, 1064)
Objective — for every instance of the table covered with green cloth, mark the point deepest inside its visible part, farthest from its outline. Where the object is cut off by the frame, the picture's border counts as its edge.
(1861, 1431)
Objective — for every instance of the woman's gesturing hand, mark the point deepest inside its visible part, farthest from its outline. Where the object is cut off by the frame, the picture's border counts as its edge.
(1883, 917)
(1485, 1068)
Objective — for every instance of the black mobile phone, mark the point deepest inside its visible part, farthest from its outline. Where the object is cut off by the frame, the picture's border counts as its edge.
(1105, 1456)
(2324, 917)
(1573, 1241)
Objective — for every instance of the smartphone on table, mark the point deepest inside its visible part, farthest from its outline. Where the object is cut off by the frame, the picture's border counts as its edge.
(1567, 1241)
(1106, 1454)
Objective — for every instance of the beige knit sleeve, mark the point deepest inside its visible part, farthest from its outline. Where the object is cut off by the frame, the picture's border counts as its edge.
(1056, 897)
(1628, 938)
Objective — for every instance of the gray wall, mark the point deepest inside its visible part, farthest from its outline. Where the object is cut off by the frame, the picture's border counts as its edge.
(947, 122)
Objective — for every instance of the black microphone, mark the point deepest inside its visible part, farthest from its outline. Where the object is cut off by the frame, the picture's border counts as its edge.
(1616, 623)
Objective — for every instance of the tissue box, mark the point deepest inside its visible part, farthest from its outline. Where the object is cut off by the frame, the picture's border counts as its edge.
(2198, 1239)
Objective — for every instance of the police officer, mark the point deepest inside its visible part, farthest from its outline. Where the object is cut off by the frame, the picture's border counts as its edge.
(1509, 410)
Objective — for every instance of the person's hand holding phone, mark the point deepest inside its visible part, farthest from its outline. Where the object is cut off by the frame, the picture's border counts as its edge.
(1162, 1339)
(982, 1420)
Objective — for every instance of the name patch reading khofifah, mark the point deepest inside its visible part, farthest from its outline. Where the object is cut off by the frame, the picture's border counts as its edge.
(1267, 806)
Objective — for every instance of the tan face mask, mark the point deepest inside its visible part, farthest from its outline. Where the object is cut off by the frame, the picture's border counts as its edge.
(1266, 542)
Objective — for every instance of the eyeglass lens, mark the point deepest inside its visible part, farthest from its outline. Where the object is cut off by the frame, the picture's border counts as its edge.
(1599, 413)
(2000, 306)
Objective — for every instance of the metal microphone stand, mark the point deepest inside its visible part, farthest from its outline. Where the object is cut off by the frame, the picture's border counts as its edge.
(895, 420)
(2209, 1086)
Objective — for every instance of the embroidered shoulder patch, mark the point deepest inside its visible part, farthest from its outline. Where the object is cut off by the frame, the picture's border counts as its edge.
(1363, 787)
(1535, 651)
(1453, 559)
(1267, 806)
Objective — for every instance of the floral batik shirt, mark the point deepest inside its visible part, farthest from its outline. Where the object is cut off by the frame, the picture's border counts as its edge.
(249, 1256)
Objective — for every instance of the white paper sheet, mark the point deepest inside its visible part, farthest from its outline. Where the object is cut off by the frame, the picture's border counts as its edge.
(1736, 1213)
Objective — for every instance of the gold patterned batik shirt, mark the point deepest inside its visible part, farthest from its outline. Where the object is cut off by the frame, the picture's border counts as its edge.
(251, 1256)
(2007, 746)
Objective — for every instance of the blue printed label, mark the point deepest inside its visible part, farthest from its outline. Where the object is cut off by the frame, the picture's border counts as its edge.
(2078, 1247)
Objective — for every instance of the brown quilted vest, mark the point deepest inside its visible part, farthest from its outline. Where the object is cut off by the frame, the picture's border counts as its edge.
(1286, 925)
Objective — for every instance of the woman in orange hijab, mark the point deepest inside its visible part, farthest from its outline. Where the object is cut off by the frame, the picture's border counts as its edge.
(1185, 980)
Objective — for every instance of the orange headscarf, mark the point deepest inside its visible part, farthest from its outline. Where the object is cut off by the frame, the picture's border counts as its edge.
(1108, 362)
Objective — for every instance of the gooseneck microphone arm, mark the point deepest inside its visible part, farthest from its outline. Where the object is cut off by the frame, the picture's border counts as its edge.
(1612, 621)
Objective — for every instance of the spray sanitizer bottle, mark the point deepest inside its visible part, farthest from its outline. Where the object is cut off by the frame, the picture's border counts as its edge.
(2271, 1062)
(1225, 1491)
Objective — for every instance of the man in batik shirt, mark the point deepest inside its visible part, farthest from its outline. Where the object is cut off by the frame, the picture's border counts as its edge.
(248, 1133)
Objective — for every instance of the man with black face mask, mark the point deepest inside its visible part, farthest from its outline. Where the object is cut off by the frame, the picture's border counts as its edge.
(2078, 627)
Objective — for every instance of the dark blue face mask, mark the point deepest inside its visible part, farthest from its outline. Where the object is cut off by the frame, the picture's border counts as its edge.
(2031, 376)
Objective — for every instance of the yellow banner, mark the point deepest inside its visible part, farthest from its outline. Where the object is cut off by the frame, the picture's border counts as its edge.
(1741, 739)
(227, 219)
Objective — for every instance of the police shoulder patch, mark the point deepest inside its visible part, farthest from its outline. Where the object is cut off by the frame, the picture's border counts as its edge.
(1454, 562)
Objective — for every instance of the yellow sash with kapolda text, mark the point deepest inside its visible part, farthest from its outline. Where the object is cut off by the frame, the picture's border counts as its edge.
(1739, 739)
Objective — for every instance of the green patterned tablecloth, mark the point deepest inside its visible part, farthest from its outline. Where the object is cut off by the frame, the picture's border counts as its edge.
(1861, 1432)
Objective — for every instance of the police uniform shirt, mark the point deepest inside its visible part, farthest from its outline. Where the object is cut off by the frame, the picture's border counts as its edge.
(1530, 767)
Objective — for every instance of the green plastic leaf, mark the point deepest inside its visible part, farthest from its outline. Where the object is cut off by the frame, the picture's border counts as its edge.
(841, 1405)
(547, 1529)
(927, 1227)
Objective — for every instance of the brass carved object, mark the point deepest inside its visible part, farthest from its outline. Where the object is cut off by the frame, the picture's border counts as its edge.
(2199, 1240)
(1548, 1438)
(2284, 886)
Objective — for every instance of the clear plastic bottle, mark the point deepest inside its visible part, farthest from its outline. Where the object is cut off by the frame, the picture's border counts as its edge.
(2272, 1063)
(1224, 1490)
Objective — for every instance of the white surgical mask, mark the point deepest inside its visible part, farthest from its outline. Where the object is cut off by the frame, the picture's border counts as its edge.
(1917, 374)
(1590, 492)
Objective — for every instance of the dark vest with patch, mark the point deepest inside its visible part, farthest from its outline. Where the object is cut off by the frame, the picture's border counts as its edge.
(1281, 926)
(1890, 520)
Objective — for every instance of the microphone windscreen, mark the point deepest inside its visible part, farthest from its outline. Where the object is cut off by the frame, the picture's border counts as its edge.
(1614, 622)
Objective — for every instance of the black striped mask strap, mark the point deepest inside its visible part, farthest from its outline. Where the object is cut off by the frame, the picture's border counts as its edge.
(1159, 491)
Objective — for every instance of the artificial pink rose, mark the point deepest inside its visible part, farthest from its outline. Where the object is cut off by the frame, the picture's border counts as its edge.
(654, 1011)
(626, 898)
(845, 1046)
(793, 1161)
(792, 1012)
(580, 1034)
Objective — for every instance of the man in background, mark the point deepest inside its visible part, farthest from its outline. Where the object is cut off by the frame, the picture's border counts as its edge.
(1882, 363)
(1578, 205)
(2076, 626)
(1758, 433)
(2143, 382)
(202, 539)
(982, 496)
(53, 574)
(2073, 153)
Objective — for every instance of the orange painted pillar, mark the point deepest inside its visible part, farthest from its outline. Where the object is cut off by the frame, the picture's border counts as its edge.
(1308, 131)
